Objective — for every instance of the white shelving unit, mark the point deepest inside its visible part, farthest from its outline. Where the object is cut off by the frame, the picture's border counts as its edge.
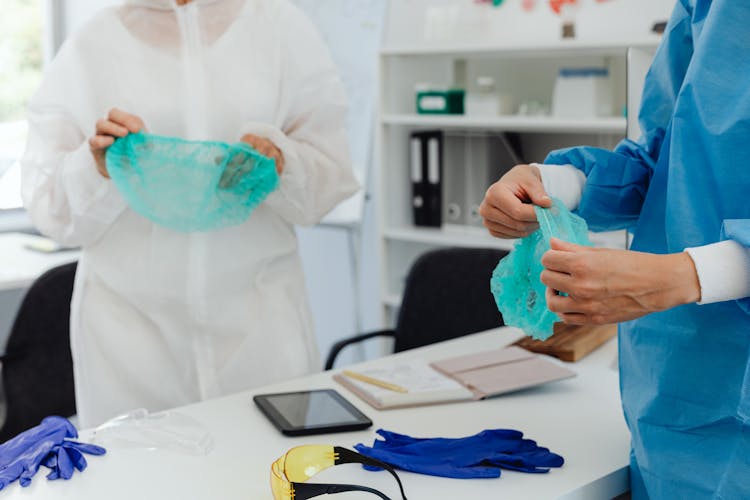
(527, 72)
(607, 125)
(448, 235)
(514, 50)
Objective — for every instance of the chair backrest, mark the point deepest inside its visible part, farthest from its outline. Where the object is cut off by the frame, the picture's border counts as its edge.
(37, 368)
(447, 295)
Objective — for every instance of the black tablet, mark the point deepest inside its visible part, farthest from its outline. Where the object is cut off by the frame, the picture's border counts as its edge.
(311, 412)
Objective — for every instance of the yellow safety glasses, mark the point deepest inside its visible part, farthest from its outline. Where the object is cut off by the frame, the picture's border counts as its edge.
(289, 474)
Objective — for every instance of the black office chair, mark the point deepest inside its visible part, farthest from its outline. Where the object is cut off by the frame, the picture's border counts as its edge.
(447, 295)
(37, 368)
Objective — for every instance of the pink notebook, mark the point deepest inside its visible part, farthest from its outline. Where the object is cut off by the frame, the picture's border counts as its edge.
(497, 372)
(463, 378)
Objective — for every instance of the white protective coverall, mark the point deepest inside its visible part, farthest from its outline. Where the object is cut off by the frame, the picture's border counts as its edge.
(160, 318)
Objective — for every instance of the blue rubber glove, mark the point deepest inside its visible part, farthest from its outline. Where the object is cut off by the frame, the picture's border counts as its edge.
(478, 456)
(431, 466)
(21, 456)
(46, 444)
(65, 458)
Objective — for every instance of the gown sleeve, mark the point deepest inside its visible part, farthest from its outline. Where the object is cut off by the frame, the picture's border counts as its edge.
(66, 197)
(739, 230)
(617, 181)
(312, 137)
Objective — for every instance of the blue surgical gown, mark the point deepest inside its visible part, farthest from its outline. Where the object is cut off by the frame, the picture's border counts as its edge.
(685, 373)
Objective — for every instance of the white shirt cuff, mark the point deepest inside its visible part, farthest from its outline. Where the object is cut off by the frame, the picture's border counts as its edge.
(564, 182)
(723, 271)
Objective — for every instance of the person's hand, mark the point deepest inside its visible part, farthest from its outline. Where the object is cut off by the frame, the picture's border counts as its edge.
(508, 206)
(117, 124)
(610, 286)
(266, 148)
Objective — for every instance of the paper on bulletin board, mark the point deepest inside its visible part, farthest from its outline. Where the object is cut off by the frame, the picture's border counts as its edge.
(457, 23)
(353, 30)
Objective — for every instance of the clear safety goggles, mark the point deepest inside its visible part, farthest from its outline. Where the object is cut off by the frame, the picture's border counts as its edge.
(290, 472)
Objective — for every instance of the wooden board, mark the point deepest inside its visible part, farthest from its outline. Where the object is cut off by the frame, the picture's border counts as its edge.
(570, 343)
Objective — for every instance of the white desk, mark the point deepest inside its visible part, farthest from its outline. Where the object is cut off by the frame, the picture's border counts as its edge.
(21, 266)
(579, 418)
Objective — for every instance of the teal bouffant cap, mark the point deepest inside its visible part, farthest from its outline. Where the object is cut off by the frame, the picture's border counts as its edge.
(190, 186)
(516, 282)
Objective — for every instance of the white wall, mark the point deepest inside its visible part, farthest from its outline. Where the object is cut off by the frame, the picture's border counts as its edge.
(415, 22)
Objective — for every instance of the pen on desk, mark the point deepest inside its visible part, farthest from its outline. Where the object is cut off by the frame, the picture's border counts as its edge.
(374, 381)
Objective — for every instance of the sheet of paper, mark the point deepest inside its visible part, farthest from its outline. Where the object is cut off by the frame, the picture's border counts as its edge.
(425, 385)
(415, 376)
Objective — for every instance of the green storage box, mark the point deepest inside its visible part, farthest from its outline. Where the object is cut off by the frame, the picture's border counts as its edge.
(441, 102)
